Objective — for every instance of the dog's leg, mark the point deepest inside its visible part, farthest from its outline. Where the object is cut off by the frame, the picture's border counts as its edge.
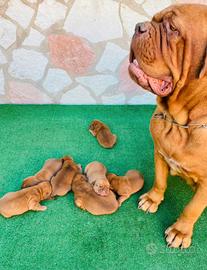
(36, 206)
(123, 198)
(150, 201)
(180, 233)
(79, 203)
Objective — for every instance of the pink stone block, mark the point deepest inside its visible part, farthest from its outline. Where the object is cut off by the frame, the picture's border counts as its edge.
(25, 93)
(71, 53)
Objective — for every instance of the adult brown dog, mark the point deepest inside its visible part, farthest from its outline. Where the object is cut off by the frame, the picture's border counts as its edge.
(169, 58)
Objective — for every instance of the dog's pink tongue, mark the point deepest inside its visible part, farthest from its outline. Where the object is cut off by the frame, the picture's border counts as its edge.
(159, 87)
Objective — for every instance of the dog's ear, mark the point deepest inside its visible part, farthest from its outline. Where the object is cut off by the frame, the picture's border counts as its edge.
(203, 70)
(158, 17)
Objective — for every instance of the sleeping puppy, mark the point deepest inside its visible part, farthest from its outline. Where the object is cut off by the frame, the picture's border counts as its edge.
(86, 198)
(61, 182)
(103, 134)
(126, 185)
(50, 168)
(19, 202)
(96, 174)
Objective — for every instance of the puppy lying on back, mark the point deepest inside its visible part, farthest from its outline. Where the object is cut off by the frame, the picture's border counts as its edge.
(50, 168)
(126, 185)
(96, 174)
(86, 198)
(19, 202)
(103, 134)
(61, 182)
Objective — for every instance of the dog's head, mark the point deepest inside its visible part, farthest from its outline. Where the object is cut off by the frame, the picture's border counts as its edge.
(69, 164)
(95, 127)
(170, 50)
(102, 187)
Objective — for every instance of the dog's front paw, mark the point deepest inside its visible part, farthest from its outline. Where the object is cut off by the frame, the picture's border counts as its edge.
(150, 201)
(179, 235)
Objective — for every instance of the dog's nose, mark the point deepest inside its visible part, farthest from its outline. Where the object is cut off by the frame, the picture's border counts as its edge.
(141, 28)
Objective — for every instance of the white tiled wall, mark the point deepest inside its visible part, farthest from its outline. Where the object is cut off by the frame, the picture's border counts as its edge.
(71, 51)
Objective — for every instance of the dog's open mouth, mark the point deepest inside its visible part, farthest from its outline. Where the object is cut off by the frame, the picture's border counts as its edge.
(157, 86)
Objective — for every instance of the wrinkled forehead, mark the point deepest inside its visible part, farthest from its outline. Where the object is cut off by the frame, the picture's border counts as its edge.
(179, 16)
(179, 10)
(166, 13)
(186, 13)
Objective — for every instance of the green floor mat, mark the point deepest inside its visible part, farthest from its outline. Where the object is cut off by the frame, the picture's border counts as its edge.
(64, 237)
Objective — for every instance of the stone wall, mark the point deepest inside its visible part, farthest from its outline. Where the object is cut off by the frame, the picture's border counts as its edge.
(71, 51)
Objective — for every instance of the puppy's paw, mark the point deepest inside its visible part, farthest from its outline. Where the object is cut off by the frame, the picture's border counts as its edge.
(123, 198)
(92, 132)
(79, 203)
(178, 235)
(44, 208)
(41, 208)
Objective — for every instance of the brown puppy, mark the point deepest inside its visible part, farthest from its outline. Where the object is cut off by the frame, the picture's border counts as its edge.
(126, 185)
(96, 174)
(87, 199)
(169, 58)
(61, 182)
(19, 202)
(103, 134)
(50, 168)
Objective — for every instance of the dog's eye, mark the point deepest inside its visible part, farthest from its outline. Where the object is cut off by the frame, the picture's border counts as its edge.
(173, 28)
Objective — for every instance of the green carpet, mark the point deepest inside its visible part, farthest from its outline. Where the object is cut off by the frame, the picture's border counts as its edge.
(64, 237)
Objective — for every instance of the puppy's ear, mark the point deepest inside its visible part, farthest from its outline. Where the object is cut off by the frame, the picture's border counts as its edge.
(203, 71)
(111, 188)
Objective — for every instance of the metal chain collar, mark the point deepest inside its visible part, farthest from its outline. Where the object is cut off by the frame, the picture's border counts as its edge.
(163, 116)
